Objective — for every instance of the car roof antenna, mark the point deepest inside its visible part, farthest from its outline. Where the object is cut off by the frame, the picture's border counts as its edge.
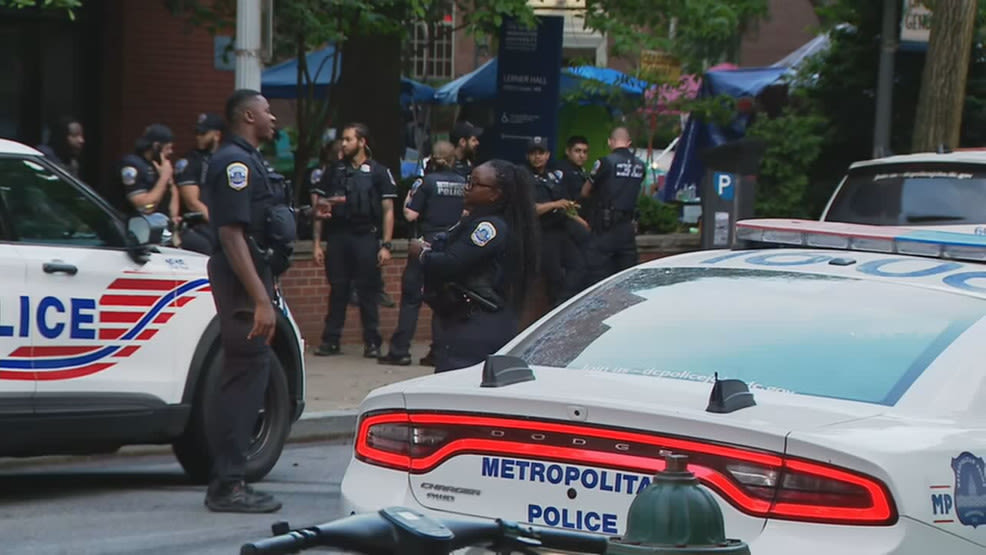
(502, 370)
(729, 396)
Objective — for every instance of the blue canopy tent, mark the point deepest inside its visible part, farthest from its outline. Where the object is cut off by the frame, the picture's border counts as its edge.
(686, 169)
(480, 84)
(280, 81)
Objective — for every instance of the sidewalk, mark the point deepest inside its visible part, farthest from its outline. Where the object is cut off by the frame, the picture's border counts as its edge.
(339, 383)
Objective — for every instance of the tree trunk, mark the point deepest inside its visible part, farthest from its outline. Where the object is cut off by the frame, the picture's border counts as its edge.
(369, 92)
(943, 83)
(302, 151)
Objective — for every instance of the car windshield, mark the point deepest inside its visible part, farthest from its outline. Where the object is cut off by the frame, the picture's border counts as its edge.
(912, 194)
(809, 334)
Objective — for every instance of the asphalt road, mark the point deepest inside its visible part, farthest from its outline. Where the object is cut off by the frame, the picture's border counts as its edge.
(144, 504)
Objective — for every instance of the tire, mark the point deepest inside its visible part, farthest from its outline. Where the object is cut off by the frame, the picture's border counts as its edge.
(270, 433)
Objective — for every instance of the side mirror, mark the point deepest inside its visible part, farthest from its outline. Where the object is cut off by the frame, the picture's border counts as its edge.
(147, 229)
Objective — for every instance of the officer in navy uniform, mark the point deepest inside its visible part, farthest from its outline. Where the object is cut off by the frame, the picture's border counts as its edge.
(434, 206)
(365, 214)
(190, 174)
(147, 175)
(562, 264)
(613, 186)
(477, 275)
(255, 227)
(465, 138)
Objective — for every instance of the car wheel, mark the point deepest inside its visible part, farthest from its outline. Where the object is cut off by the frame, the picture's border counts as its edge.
(267, 439)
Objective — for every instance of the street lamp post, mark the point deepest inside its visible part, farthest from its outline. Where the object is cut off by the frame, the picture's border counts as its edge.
(248, 63)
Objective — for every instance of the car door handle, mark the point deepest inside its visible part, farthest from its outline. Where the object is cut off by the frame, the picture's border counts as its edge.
(60, 268)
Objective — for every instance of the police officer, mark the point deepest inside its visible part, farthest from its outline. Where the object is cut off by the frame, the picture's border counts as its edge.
(477, 276)
(572, 167)
(465, 138)
(147, 175)
(434, 206)
(190, 173)
(366, 214)
(613, 186)
(562, 264)
(255, 227)
(65, 144)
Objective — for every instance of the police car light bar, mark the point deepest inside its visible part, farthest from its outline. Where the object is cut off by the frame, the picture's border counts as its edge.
(856, 237)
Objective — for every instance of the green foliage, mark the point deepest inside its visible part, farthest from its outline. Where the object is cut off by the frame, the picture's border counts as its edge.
(67, 5)
(705, 31)
(656, 217)
(794, 141)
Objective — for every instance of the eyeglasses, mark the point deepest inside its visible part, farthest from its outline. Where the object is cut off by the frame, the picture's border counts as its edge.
(470, 183)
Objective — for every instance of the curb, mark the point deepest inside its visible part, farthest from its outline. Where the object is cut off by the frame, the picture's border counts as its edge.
(311, 427)
(330, 424)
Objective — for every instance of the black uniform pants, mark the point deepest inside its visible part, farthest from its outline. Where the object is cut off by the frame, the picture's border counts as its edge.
(351, 260)
(412, 293)
(463, 342)
(245, 372)
(612, 250)
(563, 263)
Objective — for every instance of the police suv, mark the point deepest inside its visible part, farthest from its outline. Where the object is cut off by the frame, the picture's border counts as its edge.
(108, 339)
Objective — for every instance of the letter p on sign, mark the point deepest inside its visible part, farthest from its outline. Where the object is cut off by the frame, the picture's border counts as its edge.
(725, 184)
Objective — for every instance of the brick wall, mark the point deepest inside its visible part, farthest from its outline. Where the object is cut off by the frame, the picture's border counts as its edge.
(307, 292)
(157, 69)
(790, 25)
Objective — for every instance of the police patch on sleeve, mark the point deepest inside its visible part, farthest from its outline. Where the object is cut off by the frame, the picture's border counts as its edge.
(128, 174)
(391, 177)
(237, 175)
(595, 168)
(417, 183)
(316, 176)
(180, 166)
(557, 175)
(483, 234)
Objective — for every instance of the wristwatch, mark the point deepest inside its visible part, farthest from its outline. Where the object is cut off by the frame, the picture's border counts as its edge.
(386, 245)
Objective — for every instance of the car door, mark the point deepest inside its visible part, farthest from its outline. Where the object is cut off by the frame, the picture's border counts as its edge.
(93, 312)
(17, 382)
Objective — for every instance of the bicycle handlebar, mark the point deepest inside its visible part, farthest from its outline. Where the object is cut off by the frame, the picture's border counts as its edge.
(402, 531)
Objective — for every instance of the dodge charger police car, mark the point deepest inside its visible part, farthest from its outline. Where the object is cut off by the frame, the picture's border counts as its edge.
(862, 347)
(108, 339)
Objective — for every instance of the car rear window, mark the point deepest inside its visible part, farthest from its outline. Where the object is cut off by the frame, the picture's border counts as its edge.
(912, 194)
(809, 334)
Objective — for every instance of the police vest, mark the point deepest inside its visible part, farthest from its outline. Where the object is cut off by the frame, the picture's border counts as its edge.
(622, 187)
(445, 200)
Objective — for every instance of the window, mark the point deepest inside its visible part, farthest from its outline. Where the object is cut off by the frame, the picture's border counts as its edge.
(809, 334)
(912, 194)
(38, 206)
(431, 49)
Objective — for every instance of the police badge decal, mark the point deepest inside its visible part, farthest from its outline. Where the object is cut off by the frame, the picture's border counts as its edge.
(237, 175)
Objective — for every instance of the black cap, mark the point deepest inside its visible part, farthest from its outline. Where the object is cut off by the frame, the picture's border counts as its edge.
(158, 133)
(209, 122)
(464, 130)
(537, 143)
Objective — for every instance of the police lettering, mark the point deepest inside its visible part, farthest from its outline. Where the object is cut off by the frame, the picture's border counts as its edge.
(557, 474)
(973, 281)
(52, 318)
(449, 188)
(575, 519)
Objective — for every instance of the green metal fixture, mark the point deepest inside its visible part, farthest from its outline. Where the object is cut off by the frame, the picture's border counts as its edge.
(674, 516)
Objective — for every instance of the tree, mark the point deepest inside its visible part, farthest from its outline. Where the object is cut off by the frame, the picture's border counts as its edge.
(943, 83)
(368, 35)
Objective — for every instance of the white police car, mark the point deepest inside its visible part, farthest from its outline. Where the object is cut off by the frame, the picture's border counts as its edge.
(863, 349)
(945, 191)
(107, 339)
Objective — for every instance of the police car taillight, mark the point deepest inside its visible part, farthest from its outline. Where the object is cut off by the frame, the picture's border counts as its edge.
(758, 483)
(855, 237)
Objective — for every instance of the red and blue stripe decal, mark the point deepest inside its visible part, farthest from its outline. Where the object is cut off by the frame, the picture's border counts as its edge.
(142, 304)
